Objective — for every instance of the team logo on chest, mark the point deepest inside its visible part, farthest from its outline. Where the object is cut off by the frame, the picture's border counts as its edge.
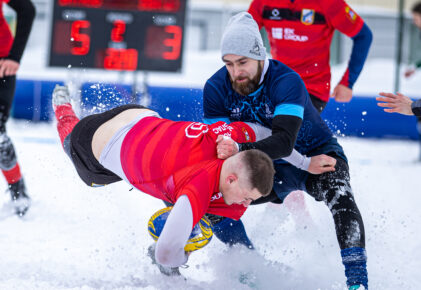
(307, 16)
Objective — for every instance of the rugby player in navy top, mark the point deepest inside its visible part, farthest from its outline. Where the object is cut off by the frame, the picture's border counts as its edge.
(252, 88)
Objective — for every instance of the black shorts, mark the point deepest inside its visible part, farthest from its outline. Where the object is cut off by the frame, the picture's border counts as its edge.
(78, 145)
(318, 104)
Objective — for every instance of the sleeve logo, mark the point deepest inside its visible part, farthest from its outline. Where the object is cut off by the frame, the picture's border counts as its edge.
(350, 14)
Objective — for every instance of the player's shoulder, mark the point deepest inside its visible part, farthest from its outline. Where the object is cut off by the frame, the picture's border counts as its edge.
(333, 5)
(219, 75)
(278, 71)
(219, 81)
(328, 2)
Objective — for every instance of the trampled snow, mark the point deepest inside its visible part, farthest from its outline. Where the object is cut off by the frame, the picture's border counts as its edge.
(77, 237)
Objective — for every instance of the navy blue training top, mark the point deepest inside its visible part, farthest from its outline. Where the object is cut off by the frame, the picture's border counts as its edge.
(282, 92)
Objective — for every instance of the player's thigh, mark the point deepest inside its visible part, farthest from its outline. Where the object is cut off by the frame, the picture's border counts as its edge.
(7, 93)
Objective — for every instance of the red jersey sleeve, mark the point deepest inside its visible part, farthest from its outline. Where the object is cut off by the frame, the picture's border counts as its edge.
(242, 133)
(239, 131)
(342, 17)
(255, 9)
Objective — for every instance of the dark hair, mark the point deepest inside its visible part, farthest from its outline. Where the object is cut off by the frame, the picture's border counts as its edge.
(261, 171)
(416, 8)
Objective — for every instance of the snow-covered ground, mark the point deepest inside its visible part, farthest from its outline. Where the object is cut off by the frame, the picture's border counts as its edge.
(76, 237)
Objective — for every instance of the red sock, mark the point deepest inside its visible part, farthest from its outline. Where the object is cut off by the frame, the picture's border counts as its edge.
(66, 120)
(13, 175)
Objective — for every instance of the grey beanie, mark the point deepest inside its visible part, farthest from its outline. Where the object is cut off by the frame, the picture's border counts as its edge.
(242, 37)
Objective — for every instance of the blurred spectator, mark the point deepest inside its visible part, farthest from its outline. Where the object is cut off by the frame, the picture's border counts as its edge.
(11, 50)
(416, 18)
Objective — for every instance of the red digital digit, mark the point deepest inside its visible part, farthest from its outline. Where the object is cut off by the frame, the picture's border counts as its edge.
(81, 3)
(174, 43)
(163, 5)
(119, 28)
(120, 59)
(81, 41)
(171, 5)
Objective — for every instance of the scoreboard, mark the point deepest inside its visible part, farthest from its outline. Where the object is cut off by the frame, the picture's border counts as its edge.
(124, 35)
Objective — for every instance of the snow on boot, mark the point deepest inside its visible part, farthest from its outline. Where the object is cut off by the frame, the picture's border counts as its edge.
(20, 200)
(61, 96)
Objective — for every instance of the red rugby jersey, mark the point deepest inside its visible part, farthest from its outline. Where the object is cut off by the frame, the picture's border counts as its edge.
(6, 38)
(300, 33)
(167, 159)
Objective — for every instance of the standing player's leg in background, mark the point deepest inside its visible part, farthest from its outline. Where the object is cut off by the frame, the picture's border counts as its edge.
(8, 160)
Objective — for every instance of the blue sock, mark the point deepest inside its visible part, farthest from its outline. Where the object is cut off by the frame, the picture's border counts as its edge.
(355, 262)
(232, 232)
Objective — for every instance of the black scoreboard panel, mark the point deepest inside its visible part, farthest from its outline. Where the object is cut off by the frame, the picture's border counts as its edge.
(127, 35)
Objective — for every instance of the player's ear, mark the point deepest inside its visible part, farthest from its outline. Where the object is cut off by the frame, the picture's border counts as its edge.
(231, 178)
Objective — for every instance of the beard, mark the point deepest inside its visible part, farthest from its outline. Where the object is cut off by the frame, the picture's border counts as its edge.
(250, 85)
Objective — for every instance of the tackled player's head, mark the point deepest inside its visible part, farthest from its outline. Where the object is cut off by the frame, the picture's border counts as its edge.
(246, 176)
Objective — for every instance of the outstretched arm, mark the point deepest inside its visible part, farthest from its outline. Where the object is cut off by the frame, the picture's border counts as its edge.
(396, 103)
(315, 165)
(169, 249)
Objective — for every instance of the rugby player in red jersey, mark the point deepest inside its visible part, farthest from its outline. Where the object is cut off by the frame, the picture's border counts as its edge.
(173, 161)
(300, 33)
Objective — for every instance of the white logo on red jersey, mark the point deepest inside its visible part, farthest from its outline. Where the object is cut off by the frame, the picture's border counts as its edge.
(224, 129)
(194, 130)
(287, 34)
(216, 196)
(275, 15)
(277, 33)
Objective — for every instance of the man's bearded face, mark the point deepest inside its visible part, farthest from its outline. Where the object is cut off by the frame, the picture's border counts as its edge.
(245, 83)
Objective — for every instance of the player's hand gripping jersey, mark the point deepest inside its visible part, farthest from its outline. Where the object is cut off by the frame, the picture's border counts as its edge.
(300, 33)
(167, 159)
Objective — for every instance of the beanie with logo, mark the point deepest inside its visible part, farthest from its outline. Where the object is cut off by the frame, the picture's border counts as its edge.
(242, 37)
